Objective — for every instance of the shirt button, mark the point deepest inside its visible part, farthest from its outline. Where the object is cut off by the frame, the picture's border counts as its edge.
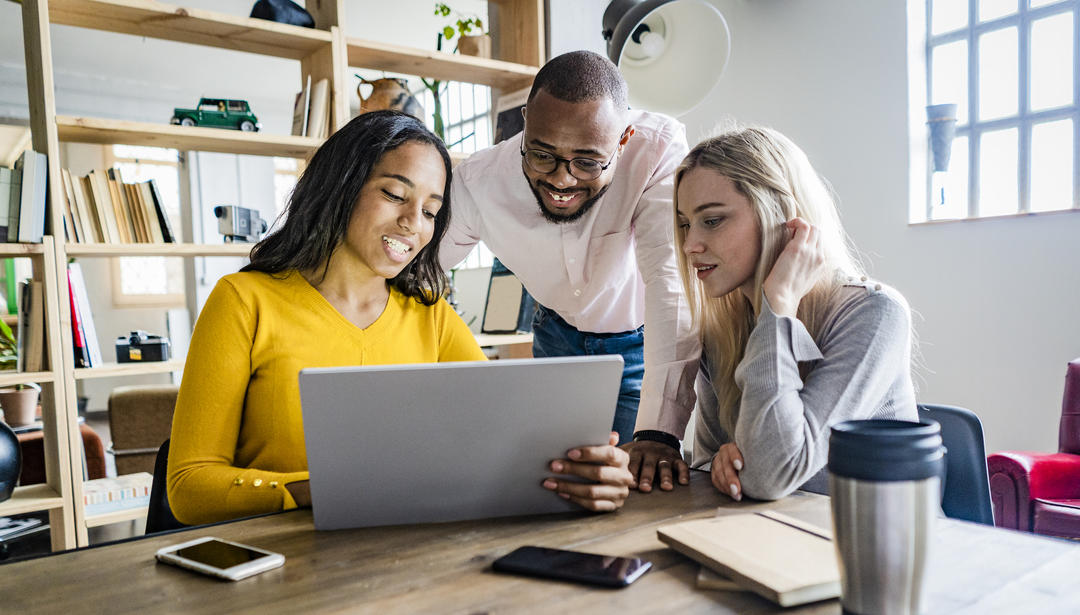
(238, 481)
(257, 482)
(577, 293)
(862, 279)
(273, 484)
(877, 286)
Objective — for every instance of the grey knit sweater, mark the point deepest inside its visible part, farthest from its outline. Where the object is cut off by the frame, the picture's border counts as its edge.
(860, 368)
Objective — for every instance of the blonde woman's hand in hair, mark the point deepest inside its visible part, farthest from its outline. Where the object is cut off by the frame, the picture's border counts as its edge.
(605, 468)
(726, 464)
(655, 461)
(797, 268)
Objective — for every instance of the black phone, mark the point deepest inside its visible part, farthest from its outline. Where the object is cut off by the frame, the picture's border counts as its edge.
(590, 568)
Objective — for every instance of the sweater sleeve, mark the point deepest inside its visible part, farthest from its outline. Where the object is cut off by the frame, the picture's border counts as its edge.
(783, 426)
(456, 341)
(203, 484)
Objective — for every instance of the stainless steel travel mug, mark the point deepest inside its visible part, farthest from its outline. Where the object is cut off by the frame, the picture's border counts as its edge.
(885, 486)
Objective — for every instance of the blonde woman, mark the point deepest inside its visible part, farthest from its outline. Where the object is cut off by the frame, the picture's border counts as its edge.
(795, 338)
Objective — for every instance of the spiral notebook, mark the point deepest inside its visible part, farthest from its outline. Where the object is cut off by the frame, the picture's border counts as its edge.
(783, 559)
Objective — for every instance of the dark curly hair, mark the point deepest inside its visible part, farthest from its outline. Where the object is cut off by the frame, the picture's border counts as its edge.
(317, 216)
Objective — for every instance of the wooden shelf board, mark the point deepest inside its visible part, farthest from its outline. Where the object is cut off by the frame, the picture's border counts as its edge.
(505, 76)
(110, 370)
(187, 25)
(20, 249)
(158, 249)
(10, 378)
(184, 138)
(31, 498)
(116, 516)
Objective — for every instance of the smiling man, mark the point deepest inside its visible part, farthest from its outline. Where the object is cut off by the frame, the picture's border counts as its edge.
(578, 206)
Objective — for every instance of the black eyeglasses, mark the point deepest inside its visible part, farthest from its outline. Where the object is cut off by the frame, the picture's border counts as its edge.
(585, 169)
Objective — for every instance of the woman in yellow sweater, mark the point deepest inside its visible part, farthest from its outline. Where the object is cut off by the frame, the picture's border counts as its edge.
(351, 277)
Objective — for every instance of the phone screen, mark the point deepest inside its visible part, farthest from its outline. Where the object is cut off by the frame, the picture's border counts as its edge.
(607, 570)
(219, 554)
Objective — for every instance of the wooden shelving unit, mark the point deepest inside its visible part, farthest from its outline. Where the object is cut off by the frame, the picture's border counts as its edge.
(324, 52)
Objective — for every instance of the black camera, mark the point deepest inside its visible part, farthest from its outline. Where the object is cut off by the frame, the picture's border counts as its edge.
(140, 347)
(239, 224)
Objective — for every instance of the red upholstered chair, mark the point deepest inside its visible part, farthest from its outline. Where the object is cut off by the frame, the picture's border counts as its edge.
(1039, 492)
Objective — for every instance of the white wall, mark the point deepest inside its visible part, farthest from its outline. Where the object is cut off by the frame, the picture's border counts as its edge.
(998, 301)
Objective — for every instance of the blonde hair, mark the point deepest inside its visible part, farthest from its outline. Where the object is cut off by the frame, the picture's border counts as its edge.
(780, 183)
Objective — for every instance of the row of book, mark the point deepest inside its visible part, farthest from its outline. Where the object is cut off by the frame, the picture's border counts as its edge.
(103, 495)
(311, 112)
(22, 199)
(87, 348)
(101, 207)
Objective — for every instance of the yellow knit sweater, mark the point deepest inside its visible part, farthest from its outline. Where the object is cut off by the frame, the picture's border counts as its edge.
(237, 435)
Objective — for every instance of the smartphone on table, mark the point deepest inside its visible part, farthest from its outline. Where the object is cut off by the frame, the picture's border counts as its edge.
(220, 558)
(589, 568)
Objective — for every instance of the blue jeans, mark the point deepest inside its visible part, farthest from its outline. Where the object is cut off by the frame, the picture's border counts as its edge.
(554, 337)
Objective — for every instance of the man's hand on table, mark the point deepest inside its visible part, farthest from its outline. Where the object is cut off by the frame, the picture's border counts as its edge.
(650, 461)
(606, 467)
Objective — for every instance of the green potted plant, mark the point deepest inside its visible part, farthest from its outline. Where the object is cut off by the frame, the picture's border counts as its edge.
(473, 41)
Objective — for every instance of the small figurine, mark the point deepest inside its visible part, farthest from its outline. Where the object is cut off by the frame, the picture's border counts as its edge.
(389, 94)
(218, 113)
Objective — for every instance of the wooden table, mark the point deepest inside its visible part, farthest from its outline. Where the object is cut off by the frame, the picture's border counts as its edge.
(445, 568)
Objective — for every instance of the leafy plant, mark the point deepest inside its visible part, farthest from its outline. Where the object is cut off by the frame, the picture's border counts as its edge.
(9, 348)
(464, 25)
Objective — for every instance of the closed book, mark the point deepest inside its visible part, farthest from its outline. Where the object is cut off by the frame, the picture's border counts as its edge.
(318, 115)
(778, 557)
(104, 495)
(11, 221)
(146, 200)
(163, 218)
(82, 301)
(78, 338)
(142, 234)
(84, 201)
(103, 203)
(22, 338)
(30, 223)
(35, 330)
(300, 109)
(124, 223)
(5, 200)
(72, 227)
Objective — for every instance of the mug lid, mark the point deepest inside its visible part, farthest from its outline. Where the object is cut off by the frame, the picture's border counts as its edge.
(886, 450)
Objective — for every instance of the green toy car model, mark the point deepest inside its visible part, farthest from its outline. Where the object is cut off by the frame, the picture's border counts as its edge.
(218, 113)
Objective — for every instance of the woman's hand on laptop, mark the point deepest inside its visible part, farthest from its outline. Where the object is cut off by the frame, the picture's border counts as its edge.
(607, 469)
(651, 461)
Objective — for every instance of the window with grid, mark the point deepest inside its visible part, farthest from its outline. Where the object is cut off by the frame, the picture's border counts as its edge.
(466, 110)
(147, 281)
(1010, 66)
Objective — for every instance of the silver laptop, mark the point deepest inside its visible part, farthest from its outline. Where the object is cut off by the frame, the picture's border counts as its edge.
(396, 444)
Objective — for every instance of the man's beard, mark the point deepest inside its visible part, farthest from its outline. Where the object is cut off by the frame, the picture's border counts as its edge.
(563, 219)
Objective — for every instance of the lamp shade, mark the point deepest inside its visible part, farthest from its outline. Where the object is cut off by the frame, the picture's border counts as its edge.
(671, 52)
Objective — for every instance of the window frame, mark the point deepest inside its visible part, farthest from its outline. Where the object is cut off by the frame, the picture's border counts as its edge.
(1023, 120)
(120, 299)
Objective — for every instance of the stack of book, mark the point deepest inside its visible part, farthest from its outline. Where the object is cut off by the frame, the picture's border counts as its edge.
(105, 495)
(311, 112)
(22, 199)
(102, 208)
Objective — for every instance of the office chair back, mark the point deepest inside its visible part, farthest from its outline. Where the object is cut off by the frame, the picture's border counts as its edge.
(159, 516)
(967, 485)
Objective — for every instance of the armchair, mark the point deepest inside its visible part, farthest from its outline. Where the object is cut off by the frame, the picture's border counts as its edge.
(1039, 492)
